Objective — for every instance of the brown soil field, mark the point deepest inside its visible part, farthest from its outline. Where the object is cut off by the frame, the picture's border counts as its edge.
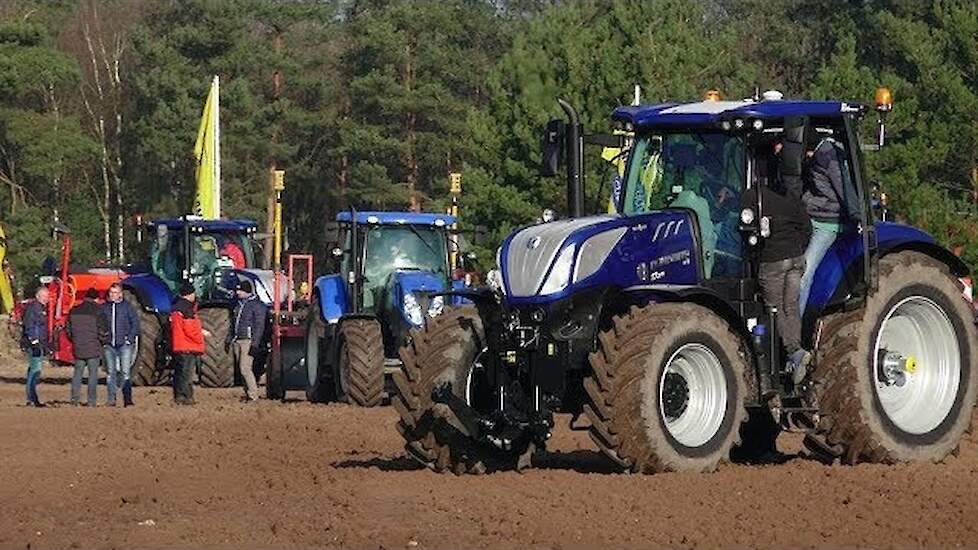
(227, 474)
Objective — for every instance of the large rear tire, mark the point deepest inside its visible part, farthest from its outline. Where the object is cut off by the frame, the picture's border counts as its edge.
(894, 381)
(446, 350)
(361, 362)
(145, 371)
(667, 391)
(217, 363)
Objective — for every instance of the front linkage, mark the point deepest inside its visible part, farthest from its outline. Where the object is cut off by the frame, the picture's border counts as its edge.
(502, 406)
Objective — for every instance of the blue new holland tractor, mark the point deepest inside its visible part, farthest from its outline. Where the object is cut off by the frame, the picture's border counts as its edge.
(361, 315)
(214, 255)
(649, 324)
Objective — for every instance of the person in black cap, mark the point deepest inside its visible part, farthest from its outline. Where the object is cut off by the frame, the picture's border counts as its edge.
(187, 343)
(249, 327)
(88, 331)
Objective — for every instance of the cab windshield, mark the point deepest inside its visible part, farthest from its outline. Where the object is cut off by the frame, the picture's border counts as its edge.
(390, 248)
(699, 171)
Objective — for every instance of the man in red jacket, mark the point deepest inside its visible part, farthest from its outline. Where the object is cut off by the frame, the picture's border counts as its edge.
(187, 342)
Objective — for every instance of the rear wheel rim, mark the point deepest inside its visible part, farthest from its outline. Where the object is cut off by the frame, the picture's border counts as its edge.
(693, 395)
(918, 329)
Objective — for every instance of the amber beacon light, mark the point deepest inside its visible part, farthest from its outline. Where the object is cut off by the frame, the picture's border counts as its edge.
(884, 100)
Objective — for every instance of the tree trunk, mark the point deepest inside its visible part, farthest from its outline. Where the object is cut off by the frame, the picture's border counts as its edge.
(411, 158)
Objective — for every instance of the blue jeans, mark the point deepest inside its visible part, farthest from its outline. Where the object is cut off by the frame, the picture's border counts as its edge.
(34, 365)
(81, 365)
(118, 362)
(817, 247)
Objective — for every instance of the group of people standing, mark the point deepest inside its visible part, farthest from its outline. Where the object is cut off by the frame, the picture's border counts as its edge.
(806, 216)
(108, 333)
(100, 334)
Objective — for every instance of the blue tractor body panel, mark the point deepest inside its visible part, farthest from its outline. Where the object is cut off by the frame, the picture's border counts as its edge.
(398, 218)
(205, 225)
(333, 298)
(847, 251)
(712, 113)
(659, 244)
(411, 282)
(152, 292)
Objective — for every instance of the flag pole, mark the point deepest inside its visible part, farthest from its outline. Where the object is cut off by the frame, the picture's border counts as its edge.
(216, 113)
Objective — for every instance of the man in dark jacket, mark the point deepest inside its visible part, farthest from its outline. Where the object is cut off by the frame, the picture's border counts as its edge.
(782, 258)
(123, 331)
(830, 200)
(34, 342)
(88, 332)
(247, 332)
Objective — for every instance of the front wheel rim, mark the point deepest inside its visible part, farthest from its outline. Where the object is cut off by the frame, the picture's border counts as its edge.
(917, 334)
(693, 395)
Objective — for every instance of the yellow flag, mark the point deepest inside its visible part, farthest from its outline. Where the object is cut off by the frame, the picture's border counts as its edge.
(6, 295)
(207, 151)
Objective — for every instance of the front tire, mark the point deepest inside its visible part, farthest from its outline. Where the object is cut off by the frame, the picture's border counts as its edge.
(446, 350)
(361, 362)
(895, 382)
(217, 363)
(667, 391)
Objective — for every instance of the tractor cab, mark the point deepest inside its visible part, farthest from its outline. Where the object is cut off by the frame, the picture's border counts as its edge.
(207, 252)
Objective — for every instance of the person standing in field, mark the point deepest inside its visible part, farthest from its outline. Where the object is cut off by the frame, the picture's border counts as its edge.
(187, 342)
(248, 329)
(123, 331)
(88, 332)
(34, 342)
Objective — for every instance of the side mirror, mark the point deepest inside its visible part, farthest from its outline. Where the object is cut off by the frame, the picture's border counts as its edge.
(553, 147)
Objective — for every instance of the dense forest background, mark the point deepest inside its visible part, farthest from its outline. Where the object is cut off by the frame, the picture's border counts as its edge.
(372, 103)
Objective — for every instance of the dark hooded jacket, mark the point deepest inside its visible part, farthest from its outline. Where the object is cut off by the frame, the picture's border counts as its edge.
(829, 194)
(88, 330)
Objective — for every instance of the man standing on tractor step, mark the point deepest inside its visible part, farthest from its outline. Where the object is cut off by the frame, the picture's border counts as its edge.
(88, 331)
(123, 331)
(249, 326)
(783, 261)
(34, 342)
(187, 342)
(830, 200)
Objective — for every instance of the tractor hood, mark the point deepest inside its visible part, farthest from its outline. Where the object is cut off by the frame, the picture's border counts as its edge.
(544, 262)
(409, 287)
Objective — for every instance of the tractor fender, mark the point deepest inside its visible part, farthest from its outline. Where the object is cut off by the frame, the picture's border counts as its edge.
(646, 294)
(842, 265)
(334, 301)
(151, 291)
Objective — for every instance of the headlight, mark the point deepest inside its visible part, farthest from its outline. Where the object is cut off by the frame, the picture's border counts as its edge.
(436, 306)
(560, 274)
(495, 281)
(412, 310)
(746, 216)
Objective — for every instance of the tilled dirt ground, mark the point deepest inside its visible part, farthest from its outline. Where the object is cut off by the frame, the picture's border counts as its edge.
(273, 475)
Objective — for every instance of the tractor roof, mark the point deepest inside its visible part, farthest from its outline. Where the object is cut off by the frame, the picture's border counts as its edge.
(398, 218)
(207, 225)
(709, 113)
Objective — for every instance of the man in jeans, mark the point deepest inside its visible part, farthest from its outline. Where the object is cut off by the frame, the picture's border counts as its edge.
(34, 342)
(249, 326)
(88, 332)
(123, 330)
(830, 200)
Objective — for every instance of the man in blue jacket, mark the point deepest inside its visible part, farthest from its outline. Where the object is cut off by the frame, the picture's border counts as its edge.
(247, 332)
(34, 342)
(121, 347)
